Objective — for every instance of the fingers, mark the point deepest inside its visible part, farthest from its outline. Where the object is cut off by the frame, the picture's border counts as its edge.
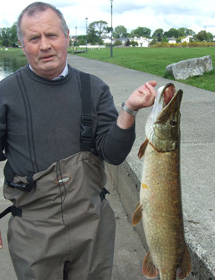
(148, 86)
(148, 89)
(152, 83)
(151, 86)
(143, 96)
(149, 93)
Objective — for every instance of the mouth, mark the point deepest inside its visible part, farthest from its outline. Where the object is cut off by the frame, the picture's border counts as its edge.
(171, 102)
(47, 58)
(168, 93)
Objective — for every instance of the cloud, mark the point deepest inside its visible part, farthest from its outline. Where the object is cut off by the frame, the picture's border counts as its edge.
(193, 14)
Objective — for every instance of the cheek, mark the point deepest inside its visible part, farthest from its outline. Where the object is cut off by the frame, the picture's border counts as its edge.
(30, 52)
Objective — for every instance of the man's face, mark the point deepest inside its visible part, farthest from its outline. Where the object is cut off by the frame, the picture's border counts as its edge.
(44, 43)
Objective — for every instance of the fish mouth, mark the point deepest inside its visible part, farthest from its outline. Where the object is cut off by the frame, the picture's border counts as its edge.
(163, 124)
(170, 100)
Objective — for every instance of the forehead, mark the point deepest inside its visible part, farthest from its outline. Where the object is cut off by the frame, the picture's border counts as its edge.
(40, 20)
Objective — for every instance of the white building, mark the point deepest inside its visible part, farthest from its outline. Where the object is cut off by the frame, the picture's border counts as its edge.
(187, 39)
(106, 40)
(142, 41)
(172, 40)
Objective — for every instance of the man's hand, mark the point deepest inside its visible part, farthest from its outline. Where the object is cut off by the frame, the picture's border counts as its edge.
(142, 97)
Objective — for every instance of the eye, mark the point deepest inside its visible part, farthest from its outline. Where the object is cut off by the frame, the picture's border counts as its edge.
(173, 122)
(52, 35)
(33, 39)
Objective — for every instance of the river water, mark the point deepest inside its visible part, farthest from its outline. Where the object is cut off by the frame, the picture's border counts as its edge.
(10, 62)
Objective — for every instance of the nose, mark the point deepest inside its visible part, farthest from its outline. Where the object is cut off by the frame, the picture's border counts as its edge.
(44, 43)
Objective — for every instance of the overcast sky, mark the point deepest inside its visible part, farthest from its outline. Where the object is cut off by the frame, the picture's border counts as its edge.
(193, 14)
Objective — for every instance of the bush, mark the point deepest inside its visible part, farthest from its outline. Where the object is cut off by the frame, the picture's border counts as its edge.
(133, 43)
(183, 45)
(118, 43)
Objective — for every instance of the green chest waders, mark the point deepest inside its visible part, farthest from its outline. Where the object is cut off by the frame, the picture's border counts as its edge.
(62, 227)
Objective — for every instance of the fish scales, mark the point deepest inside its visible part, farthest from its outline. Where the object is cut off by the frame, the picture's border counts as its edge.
(160, 204)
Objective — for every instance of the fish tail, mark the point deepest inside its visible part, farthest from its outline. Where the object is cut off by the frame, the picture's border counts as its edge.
(185, 266)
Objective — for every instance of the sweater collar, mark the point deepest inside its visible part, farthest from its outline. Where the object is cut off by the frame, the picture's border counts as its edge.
(61, 76)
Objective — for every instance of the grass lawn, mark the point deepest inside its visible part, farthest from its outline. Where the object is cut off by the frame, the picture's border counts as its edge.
(149, 60)
(155, 60)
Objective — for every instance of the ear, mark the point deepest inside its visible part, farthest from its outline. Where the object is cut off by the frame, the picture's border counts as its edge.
(20, 43)
(68, 36)
(23, 49)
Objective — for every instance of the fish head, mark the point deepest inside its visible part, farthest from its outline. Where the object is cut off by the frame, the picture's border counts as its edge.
(163, 123)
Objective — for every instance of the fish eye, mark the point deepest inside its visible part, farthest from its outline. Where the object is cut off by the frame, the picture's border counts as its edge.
(173, 122)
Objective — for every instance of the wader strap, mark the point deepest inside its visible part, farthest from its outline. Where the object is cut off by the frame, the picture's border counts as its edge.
(13, 210)
(86, 118)
(29, 121)
(103, 193)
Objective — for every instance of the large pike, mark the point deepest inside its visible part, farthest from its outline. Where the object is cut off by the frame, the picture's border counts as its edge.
(160, 204)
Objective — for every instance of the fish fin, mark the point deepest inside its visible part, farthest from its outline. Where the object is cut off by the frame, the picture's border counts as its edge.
(185, 266)
(149, 269)
(138, 204)
(142, 149)
(137, 215)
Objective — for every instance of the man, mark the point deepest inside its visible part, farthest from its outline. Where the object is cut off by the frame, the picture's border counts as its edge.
(57, 127)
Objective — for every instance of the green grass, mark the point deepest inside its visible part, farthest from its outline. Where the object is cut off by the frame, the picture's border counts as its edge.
(11, 51)
(149, 60)
(155, 60)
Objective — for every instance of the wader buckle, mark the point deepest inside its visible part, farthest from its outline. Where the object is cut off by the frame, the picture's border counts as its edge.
(103, 193)
(20, 187)
(86, 131)
(9, 177)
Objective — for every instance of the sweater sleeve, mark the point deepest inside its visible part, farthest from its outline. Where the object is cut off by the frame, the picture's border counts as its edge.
(118, 144)
(113, 144)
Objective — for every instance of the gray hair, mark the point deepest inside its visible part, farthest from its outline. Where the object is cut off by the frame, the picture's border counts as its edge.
(39, 7)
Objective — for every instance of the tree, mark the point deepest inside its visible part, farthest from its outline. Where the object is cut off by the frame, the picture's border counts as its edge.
(158, 34)
(13, 35)
(120, 31)
(5, 37)
(133, 43)
(117, 43)
(204, 36)
(95, 31)
(210, 37)
(153, 42)
(127, 43)
(162, 36)
(99, 27)
(184, 32)
(92, 36)
(141, 31)
(8, 36)
(172, 33)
